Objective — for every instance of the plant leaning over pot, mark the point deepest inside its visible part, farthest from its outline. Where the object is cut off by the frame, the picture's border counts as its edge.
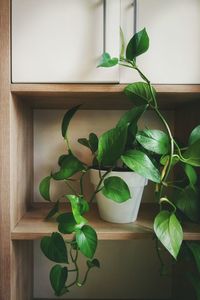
(150, 153)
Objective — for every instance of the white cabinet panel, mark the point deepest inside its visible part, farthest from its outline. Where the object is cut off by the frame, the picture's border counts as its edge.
(174, 30)
(62, 40)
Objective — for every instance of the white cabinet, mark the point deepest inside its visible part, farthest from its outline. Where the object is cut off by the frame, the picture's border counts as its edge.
(174, 30)
(63, 40)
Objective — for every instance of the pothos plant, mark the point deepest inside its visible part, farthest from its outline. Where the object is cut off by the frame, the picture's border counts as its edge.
(151, 153)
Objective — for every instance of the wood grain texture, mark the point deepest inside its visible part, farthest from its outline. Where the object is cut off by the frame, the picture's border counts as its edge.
(21, 159)
(34, 226)
(5, 244)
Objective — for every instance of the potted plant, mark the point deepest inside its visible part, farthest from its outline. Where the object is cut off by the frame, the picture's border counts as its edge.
(146, 154)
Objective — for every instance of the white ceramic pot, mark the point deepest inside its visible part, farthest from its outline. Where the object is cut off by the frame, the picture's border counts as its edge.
(127, 211)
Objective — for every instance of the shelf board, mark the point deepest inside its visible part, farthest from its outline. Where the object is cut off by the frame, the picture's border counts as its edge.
(98, 96)
(33, 225)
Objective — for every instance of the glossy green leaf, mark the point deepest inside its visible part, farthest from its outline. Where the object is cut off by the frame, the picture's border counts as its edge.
(67, 223)
(154, 140)
(77, 209)
(192, 154)
(194, 135)
(93, 142)
(58, 277)
(111, 145)
(138, 45)
(169, 231)
(44, 188)
(86, 239)
(107, 62)
(70, 165)
(62, 159)
(116, 189)
(139, 162)
(66, 120)
(187, 200)
(194, 248)
(93, 263)
(53, 211)
(139, 93)
(191, 174)
(132, 116)
(54, 248)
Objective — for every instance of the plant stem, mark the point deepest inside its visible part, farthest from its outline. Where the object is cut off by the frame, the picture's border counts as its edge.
(71, 188)
(98, 186)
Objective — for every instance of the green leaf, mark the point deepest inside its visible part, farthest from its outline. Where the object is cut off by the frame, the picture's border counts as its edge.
(194, 135)
(194, 248)
(156, 141)
(116, 189)
(86, 239)
(138, 44)
(58, 277)
(62, 159)
(111, 145)
(53, 211)
(132, 116)
(67, 223)
(187, 200)
(122, 40)
(84, 142)
(54, 248)
(192, 154)
(191, 174)
(165, 158)
(107, 62)
(76, 204)
(44, 188)
(169, 231)
(139, 93)
(93, 142)
(139, 162)
(70, 165)
(66, 120)
(93, 263)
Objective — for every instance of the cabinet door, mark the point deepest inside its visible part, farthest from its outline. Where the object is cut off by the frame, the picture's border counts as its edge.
(63, 40)
(174, 30)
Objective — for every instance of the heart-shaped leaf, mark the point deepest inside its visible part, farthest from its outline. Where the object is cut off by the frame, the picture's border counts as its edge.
(54, 248)
(139, 93)
(156, 141)
(111, 145)
(77, 209)
(116, 189)
(192, 154)
(44, 188)
(194, 135)
(138, 44)
(66, 120)
(139, 162)
(67, 223)
(187, 200)
(53, 211)
(191, 174)
(58, 277)
(132, 116)
(93, 263)
(107, 62)
(169, 231)
(70, 165)
(86, 239)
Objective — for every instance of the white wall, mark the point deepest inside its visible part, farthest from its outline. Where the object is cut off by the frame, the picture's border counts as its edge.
(130, 269)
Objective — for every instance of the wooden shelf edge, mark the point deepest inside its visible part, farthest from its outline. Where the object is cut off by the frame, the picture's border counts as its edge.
(26, 88)
(33, 225)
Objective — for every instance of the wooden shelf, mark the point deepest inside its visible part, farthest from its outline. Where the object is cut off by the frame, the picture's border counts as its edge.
(98, 96)
(33, 225)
